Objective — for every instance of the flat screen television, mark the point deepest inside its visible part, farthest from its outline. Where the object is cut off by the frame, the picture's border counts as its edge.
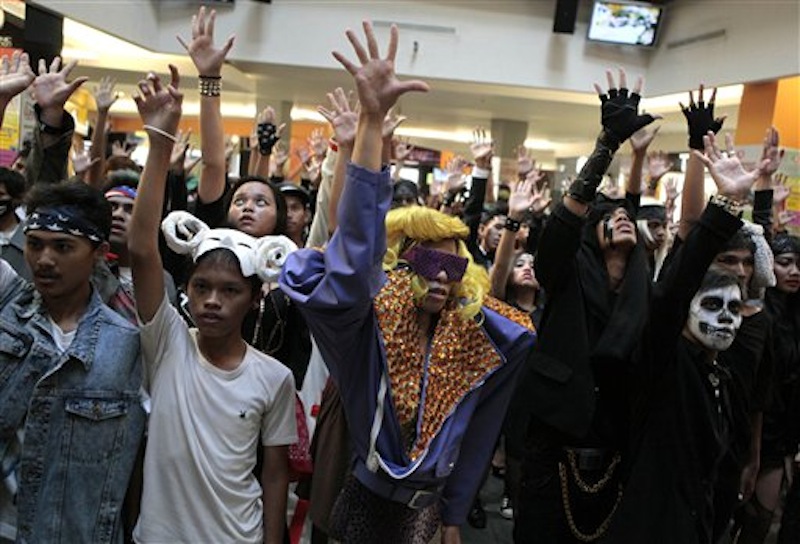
(626, 23)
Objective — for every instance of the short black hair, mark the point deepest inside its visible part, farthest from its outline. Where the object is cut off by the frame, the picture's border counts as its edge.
(14, 183)
(91, 203)
(491, 213)
(785, 243)
(280, 201)
(224, 257)
(717, 279)
(740, 240)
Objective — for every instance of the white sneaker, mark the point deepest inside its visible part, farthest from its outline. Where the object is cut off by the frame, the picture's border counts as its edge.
(506, 510)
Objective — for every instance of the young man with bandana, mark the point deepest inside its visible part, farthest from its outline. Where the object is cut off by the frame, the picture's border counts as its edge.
(70, 374)
(423, 359)
(681, 428)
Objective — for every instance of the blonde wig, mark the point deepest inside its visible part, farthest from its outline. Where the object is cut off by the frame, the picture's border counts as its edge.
(407, 227)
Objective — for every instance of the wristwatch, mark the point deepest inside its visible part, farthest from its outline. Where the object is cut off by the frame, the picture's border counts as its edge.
(44, 127)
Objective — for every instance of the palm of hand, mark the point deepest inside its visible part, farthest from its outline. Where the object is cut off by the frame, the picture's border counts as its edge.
(731, 178)
(641, 139)
(524, 165)
(104, 98)
(780, 193)
(81, 161)
(206, 58)
(657, 168)
(51, 90)
(480, 150)
(15, 83)
(344, 126)
(378, 88)
(520, 201)
(161, 111)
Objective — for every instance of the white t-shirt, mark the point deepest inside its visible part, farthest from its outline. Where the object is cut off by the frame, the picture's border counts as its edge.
(203, 434)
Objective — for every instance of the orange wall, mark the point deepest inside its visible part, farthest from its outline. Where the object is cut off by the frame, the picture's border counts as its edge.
(773, 103)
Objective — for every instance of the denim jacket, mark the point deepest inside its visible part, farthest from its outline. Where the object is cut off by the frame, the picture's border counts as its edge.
(81, 413)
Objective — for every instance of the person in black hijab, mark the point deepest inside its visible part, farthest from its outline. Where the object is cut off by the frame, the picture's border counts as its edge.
(574, 387)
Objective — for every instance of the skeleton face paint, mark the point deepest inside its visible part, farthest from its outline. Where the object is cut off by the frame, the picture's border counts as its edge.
(715, 316)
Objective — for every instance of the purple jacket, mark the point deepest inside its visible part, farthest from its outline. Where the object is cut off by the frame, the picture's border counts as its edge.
(335, 290)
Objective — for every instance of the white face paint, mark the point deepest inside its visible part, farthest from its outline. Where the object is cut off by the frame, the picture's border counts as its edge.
(715, 316)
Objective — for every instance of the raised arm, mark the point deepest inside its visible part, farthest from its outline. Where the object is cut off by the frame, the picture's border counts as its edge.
(640, 141)
(482, 149)
(16, 75)
(208, 60)
(104, 98)
(160, 110)
(525, 197)
(700, 119)
(268, 134)
(343, 120)
(48, 159)
(771, 157)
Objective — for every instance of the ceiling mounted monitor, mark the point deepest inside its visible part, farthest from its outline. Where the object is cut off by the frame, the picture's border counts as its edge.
(626, 23)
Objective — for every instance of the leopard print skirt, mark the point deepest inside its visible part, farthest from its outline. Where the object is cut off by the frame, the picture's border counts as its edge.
(362, 517)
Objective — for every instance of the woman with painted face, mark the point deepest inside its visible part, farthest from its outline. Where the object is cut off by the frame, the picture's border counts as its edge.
(422, 357)
(681, 413)
(573, 387)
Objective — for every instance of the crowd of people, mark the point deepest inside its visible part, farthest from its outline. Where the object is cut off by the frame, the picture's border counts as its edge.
(189, 362)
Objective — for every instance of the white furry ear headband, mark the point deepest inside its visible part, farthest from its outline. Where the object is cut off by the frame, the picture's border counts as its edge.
(186, 234)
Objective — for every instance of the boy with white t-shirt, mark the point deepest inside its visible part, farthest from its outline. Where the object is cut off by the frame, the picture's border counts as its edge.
(212, 395)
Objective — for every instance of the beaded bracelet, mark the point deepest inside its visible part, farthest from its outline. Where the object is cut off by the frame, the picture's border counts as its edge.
(512, 224)
(210, 85)
(163, 133)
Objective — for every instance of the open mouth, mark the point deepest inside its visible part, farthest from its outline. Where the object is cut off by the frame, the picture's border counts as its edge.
(719, 332)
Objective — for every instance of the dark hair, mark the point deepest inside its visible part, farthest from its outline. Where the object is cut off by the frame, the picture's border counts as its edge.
(491, 213)
(225, 258)
(717, 279)
(116, 162)
(785, 243)
(91, 203)
(740, 240)
(14, 183)
(280, 201)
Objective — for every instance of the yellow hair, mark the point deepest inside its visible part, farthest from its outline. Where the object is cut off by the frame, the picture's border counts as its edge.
(405, 227)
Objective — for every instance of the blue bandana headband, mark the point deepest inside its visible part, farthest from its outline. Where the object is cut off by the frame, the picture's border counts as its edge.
(66, 219)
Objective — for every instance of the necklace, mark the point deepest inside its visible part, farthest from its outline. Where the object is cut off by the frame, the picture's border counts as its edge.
(576, 532)
(583, 486)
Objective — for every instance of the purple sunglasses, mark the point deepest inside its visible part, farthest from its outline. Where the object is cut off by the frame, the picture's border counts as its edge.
(429, 262)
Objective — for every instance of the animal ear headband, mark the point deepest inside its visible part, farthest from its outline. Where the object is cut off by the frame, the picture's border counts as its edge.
(185, 234)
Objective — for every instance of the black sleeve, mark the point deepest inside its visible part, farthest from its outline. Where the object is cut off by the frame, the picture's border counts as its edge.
(473, 208)
(762, 211)
(535, 234)
(559, 242)
(213, 213)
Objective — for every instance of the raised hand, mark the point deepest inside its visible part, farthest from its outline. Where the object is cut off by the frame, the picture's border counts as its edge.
(267, 133)
(104, 95)
(619, 113)
(119, 150)
(15, 75)
(780, 191)
(402, 149)
(50, 88)
(207, 59)
(318, 143)
(456, 180)
(482, 148)
(641, 140)
(658, 164)
(726, 168)
(771, 154)
(391, 122)
(159, 106)
(700, 118)
(280, 156)
(177, 159)
(376, 82)
(82, 161)
(343, 120)
(525, 162)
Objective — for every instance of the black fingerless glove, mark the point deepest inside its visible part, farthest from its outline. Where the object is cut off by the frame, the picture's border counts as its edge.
(267, 137)
(700, 118)
(620, 117)
(584, 188)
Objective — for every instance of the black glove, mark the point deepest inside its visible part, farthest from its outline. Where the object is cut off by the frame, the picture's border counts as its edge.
(267, 137)
(620, 117)
(700, 118)
(585, 186)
